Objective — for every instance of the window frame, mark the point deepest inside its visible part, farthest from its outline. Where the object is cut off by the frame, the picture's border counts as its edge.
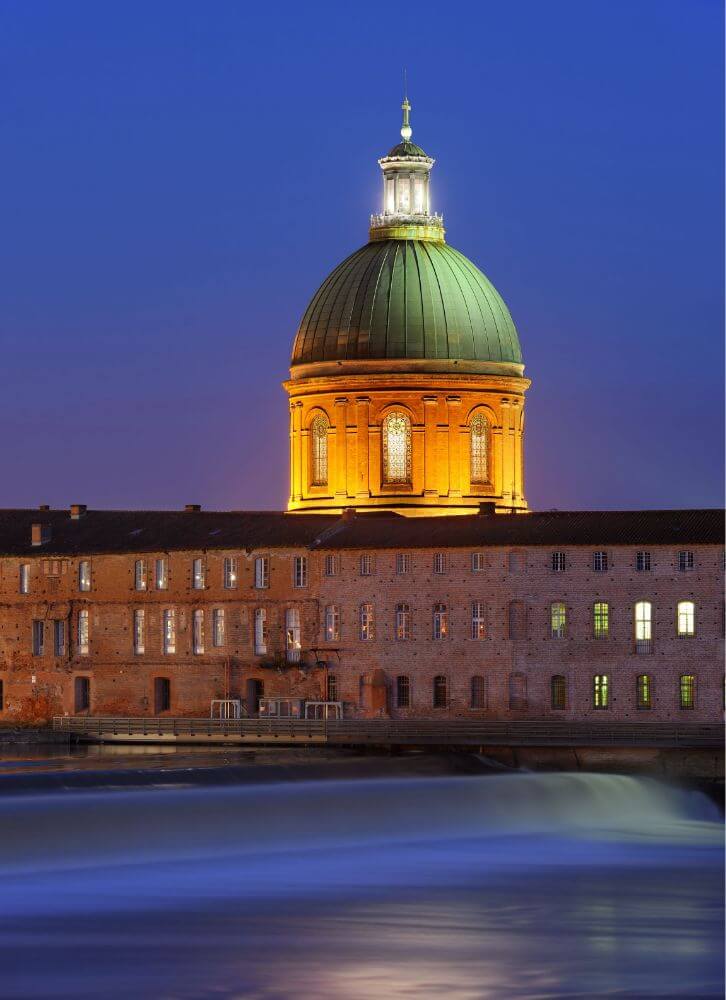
(388, 478)
(300, 572)
(440, 622)
(403, 691)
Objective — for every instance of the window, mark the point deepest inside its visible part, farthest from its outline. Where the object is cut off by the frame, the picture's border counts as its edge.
(441, 692)
(686, 562)
(558, 562)
(262, 572)
(24, 578)
(517, 562)
(59, 637)
(478, 562)
(319, 450)
(230, 573)
(439, 562)
(332, 623)
(643, 696)
(331, 565)
(686, 619)
(600, 562)
(366, 622)
(198, 632)
(81, 694)
(83, 631)
(300, 571)
(218, 635)
(161, 575)
(84, 575)
(441, 621)
(558, 620)
(517, 620)
(600, 691)
(687, 689)
(642, 562)
(478, 450)
(292, 635)
(396, 448)
(601, 619)
(517, 692)
(139, 631)
(169, 625)
(260, 631)
(558, 693)
(140, 575)
(403, 563)
(642, 616)
(403, 691)
(2, 696)
(366, 565)
(478, 693)
(331, 686)
(38, 637)
(198, 574)
(403, 622)
(162, 695)
(478, 620)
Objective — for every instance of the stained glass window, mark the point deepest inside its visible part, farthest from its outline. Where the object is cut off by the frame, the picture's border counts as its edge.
(319, 445)
(397, 448)
(479, 457)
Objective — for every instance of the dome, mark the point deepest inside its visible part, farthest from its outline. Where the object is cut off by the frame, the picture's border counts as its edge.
(407, 148)
(407, 299)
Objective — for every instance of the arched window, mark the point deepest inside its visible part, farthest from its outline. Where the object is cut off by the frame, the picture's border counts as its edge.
(558, 692)
(478, 449)
(517, 692)
(441, 692)
(319, 449)
(478, 692)
(686, 618)
(396, 448)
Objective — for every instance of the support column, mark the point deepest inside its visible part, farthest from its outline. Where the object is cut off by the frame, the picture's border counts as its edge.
(507, 453)
(341, 422)
(297, 449)
(292, 452)
(362, 408)
(430, 404)
(516, 453)
(453, 405)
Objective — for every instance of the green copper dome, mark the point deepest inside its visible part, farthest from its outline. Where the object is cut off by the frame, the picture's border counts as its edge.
(407, 148)
(407, 299)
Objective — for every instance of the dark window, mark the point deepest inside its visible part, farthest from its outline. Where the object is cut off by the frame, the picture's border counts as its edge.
(440, 692)
(517, 692)
(558, 562)
(59, 638)
(82, 692)
(478, 692)
(558, 692)
(38, 637)
(162, 695)
(255, 691)
(2, 697)
(403, 692)
(643, 690)
(332, 687)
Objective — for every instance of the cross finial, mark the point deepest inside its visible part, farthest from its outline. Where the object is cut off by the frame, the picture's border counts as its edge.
(406, 131)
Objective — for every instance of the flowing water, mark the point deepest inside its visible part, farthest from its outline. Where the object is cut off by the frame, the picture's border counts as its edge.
(511, 885)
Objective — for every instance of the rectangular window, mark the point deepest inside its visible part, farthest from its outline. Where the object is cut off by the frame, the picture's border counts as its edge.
(403, 563)
(366, 565)
(262, 572)
(558, 693)
(230, 573)
(366, 622)
(600, 562)
(140, 574)
(642, 562)
(332, 687)
(331, 567)
(478, 562)
(686, 562)
(59, 637)
(139, 631)
(600, 691)
(81, 694)
(83, 631)
(332, 623)
(161, 575)
(558, 562)
(38, 637)
(441, 692)
(24, 578)
(218, 638)
(441, 622)
(517, 562)
(439, 562)
(643, 698)
(478, 620)
(198, 632)
(403, 692)
(84, 575)
(558, 620)
(478, 694)
(300, 571)
(169, 624)
(260, 631)
(601, 619)
(403, 622)
(687, 691)
(162, 695)
(198, 574)
(686, 619)
(292, 635)
(642, 620)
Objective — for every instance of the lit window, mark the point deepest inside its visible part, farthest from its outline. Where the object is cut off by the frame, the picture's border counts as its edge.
(139, 575)
(300, 571)
(139, 630)
(642, 562)
(478, 562)
(403, 563)
(558, 620)
(198, 632)
(418, 196)
(478, 692)
(161, 575)
(642, 618)
(83, 632)
(478, 620)
(169, 620)
(441, 621)
(396, 448)
(262, 572)
(292, 635)
(403, 622)
(479, 459)
(600, 562)
(24, 578)
(558, 562)
(366, 622)
(441, 692)
(331, 565)
(218, 636)
(558, 693)
(686, 618)
(687, 691)
(198, 574)
(260, 631)
(59, 638)
(601, 619)
(439, 562)
(643, 696)
(366, 565)
(38, 637)
(686, 562)
(332, 623)
(84, 575)
(403, 691)
(600, 691)
(319, 450)
(518, 692)
(230, 573)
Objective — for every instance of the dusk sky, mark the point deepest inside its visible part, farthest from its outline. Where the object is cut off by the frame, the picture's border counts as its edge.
(179, 177)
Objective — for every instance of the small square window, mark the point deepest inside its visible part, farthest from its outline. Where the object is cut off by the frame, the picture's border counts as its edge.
(686, 562)
(558, 562)
(366, 565)
(439, 562)
(478, 562)
(642, 562)
(600, 562)
(403, 563)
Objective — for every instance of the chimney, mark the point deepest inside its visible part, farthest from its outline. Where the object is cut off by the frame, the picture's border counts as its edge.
(77, 511)
(192, 508)
(487, 508)
(40, 534)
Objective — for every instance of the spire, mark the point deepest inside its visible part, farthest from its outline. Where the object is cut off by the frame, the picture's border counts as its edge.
(406, 131)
